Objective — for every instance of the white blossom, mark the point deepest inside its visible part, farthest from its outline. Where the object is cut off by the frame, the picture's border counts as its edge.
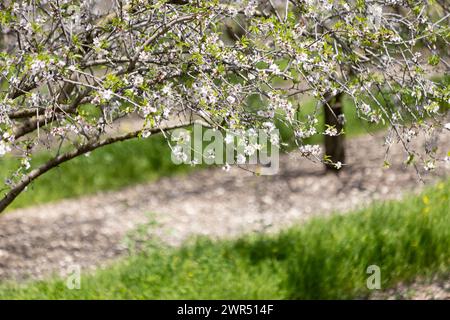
(310, 150)
(229, 138)
(429, 165)
(106, 94)
(179, 153)
(231, 99)
(4, 148)
(331, 131)
(26, 163)
(37, 66)
(146, 133)
(250, 8)
(274, 69)
(240, 159)
(138, 80)
(365, 108)
(226, 167)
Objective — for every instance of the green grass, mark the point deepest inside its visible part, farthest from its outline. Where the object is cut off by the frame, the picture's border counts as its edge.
(325, 258)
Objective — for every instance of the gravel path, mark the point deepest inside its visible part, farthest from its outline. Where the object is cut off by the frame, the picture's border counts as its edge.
(89, 231)
(433, 289)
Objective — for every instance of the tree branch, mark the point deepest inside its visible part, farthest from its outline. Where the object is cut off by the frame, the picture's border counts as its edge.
(31, 124)
(34, 174)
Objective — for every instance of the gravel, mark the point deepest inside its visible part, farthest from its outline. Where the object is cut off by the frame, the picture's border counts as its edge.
(421, 289)
(89, 232)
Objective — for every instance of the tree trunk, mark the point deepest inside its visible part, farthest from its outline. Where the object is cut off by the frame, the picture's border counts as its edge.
(334, 145)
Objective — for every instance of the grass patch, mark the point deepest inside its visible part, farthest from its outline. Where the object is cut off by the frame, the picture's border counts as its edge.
(326, 258)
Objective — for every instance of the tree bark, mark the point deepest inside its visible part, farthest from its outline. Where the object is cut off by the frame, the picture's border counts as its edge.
(334, 145)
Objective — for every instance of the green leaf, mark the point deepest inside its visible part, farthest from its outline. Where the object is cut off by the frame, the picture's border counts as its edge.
(434, 60)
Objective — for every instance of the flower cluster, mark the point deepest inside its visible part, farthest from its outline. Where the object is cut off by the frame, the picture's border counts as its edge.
(75, 68)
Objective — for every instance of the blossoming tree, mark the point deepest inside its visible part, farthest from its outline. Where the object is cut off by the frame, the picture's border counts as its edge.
(72, 72)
